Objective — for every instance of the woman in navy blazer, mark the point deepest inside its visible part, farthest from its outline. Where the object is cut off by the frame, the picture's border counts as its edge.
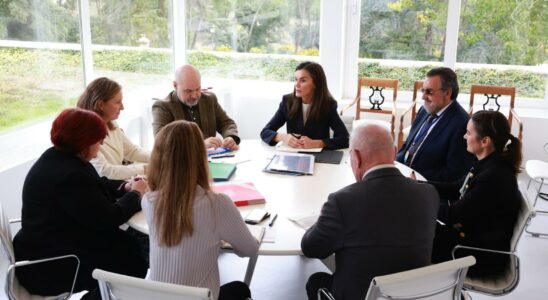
(310, 112)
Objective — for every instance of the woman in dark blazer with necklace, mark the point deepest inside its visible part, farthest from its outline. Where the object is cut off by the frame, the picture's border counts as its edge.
(310, 113)
(481, 209)
(69, 209)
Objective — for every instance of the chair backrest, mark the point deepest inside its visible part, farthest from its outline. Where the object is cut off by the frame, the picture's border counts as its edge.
(492, 94)
(439, 281)
(507, 281)
(417, 85)
(7, 257)
(116, 286)
(525, 214)
(376, 99)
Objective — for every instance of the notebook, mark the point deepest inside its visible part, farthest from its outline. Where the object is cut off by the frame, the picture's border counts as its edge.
(221, 171)
(281, 146)
(294, 164)
(327, 156)
(242, 193)
(257, 231)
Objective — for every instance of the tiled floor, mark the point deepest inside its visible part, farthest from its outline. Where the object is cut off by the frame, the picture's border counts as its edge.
(284, 277)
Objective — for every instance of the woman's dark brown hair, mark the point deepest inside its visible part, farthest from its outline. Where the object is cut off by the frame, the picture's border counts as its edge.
(494, 125)
(321, 100)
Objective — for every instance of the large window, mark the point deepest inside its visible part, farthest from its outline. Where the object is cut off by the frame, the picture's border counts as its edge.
(40, 61)
(508, 33)
(131, 41)
(408, 30)
(244, 39)
(503, 32)
(499, 42)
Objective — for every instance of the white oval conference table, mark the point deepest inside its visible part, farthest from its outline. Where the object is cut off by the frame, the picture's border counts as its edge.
(285, 195)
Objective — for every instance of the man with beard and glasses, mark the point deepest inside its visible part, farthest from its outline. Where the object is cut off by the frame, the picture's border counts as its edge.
(189, 102)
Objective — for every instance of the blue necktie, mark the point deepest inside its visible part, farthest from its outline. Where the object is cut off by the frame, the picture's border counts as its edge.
(419, 137)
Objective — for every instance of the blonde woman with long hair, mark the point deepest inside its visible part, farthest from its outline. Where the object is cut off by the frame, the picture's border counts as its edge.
(187, 221)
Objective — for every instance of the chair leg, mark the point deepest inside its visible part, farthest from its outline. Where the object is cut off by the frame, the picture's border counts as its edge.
(534, 233)
(538, 191)
(529, 183)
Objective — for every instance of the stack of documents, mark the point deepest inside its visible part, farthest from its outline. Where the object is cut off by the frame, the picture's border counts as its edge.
(257, 231)
(241, 193)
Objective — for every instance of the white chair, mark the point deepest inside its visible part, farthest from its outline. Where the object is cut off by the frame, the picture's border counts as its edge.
(502, 284)
(537, 171)
(116, 286)
(439, 281)
(12, 288)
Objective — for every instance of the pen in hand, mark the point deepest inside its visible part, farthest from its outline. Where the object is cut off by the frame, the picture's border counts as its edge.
(273, 220)
(296, 135)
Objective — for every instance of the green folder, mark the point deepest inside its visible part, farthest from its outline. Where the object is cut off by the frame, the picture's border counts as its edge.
(221, 171)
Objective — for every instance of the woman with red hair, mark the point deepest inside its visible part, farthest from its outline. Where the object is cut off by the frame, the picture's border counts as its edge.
(69, 209)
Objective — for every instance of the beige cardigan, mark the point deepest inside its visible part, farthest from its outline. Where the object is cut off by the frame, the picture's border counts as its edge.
(115, 149)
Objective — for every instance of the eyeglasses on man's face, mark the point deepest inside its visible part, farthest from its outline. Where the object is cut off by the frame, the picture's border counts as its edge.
(430, 92)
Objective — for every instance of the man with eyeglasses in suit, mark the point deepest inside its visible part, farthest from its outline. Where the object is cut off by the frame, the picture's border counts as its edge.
(435, 146)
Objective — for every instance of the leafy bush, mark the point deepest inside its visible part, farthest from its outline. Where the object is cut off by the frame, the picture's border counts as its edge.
(527, 84)
(309, 52)
(35, 83)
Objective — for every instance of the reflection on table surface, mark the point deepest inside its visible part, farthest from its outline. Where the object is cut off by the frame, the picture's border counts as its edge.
(286, 195)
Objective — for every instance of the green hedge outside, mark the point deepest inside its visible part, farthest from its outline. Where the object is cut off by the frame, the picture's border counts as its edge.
(26, 75)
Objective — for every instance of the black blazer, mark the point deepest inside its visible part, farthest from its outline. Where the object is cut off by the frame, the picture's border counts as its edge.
(443, 155)
(486, 213)
(69, 209)
(380, 225)
(316, 130)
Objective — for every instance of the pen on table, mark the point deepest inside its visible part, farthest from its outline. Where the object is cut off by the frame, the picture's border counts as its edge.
(243, 161)
(222, 156)
(273, 220)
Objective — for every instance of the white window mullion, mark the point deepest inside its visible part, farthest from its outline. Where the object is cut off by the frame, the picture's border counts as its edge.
(452, 33)
(178, 21)
(351, 48)
(85, 41)
(331, 43)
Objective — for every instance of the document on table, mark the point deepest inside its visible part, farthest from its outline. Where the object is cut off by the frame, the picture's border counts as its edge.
(257, 231)
(305, 221)
(281, 146)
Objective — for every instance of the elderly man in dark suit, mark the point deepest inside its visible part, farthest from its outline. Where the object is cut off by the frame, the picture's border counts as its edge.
(188, 102)
(436, 147)
(384, 223)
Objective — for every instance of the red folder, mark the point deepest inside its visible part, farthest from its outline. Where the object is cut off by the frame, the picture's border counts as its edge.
(241, 193)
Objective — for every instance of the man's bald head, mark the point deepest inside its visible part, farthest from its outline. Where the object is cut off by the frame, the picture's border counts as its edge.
(371, 145)
(188, 84)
